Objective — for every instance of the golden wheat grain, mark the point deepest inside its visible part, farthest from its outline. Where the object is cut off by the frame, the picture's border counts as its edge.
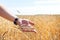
(48, 28)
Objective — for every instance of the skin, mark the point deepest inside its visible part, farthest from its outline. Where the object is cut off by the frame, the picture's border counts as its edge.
(7, 15)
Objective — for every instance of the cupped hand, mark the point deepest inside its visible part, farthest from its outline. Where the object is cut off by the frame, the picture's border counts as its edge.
(26, 25)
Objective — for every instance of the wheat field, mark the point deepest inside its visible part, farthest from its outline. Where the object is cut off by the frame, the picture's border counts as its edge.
(47, 27)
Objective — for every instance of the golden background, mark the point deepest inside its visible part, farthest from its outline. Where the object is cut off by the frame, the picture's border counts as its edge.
(47, 27)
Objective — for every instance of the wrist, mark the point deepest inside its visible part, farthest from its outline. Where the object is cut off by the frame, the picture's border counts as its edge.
(16, 21)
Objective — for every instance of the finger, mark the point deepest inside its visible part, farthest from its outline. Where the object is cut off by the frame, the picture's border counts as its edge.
(25, 30)
(28, 30)
(31, 23)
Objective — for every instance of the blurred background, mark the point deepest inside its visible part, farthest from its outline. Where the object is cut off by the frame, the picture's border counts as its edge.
(47, 26)
(32, 7)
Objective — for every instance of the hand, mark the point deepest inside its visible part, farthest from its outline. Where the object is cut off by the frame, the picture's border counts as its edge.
(26, 25)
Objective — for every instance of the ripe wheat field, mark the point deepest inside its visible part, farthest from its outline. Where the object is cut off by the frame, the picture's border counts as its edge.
(47, 27)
